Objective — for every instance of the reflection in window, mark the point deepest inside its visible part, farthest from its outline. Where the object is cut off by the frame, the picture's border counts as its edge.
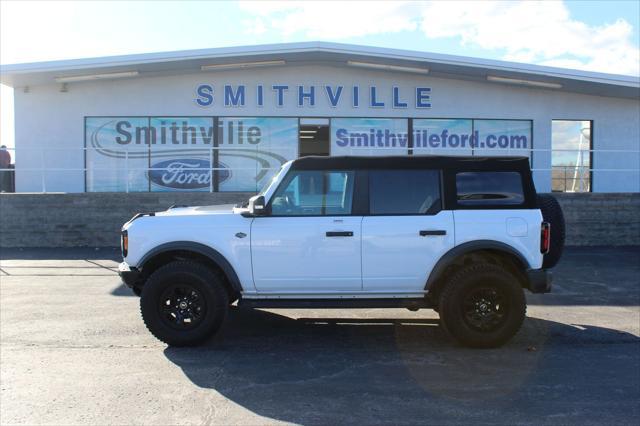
(252, 149)
(571, 156)
(314, 193)
(117, 154)
(489, 188)
(502, 137)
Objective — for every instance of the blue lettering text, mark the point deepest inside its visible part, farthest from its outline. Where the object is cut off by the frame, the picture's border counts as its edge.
(205, 95)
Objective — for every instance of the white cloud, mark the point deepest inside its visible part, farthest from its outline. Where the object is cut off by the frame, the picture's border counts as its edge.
(566, 134)
(541, 32)
(254, 26)
(36, 26)
(336, 20)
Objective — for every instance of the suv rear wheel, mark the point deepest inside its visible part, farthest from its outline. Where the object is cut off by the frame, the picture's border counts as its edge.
(183, 303)
(482, 306)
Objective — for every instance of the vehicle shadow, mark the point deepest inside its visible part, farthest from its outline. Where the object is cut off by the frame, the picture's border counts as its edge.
(122, 290)
(358, 370)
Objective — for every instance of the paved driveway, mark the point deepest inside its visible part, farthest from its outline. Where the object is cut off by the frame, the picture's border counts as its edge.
(73, 350)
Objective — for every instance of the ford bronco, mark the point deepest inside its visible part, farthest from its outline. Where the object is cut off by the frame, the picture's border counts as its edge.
(461, 235)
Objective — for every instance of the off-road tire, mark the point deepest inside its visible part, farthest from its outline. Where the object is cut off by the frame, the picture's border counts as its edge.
(207, 283)
(552, 213)
(465, 282)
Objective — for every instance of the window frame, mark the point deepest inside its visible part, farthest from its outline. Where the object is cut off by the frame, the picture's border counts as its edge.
(526, 198)
(355, 198)
(591, 156)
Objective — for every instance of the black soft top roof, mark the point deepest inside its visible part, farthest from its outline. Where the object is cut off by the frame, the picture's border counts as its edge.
(412, 162)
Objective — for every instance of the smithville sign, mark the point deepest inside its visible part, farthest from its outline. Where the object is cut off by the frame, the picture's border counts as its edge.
(279, 94)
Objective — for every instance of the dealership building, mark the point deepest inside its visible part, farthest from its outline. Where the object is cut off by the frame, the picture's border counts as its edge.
(224, 120)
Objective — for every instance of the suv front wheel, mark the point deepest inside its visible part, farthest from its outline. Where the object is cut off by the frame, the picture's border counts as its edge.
(482, 305)
(183, 303)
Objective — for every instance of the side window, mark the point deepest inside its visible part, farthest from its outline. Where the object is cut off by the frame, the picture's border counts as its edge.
(314, 193)
(489, 188)
(404, 192)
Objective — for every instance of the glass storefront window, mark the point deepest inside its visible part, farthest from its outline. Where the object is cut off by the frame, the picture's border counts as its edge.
(116, 157)
(252, 150)
(128, 154)
(442, 137)
(181, 153)
(570, 156)
(369, 136)
(502, 137)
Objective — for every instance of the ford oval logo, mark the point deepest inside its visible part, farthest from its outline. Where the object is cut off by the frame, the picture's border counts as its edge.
(185, 173)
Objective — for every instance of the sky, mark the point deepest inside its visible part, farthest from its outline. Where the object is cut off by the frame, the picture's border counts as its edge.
(598, 36)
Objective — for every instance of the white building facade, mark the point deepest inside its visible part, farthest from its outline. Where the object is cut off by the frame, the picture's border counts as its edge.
(225, 119)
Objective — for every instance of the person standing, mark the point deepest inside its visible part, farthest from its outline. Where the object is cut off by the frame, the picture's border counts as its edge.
(5, 162)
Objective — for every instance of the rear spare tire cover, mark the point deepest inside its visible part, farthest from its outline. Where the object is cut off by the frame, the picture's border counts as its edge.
(552, 213)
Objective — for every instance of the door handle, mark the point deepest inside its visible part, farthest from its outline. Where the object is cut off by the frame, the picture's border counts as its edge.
(425, 233)
(339, 234)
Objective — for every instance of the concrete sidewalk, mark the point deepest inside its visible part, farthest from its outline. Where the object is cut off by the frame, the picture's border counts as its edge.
(73, 350)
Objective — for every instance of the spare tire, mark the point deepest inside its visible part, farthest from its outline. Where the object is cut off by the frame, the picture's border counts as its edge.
(552, 213)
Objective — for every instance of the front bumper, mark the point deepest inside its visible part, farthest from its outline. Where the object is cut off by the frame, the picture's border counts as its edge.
(539, 280)
(129, 275)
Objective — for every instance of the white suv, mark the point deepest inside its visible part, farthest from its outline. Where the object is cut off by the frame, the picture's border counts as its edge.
(461, 235)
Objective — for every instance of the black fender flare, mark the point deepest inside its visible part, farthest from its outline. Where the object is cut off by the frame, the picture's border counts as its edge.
(469, 247)
(201, 249)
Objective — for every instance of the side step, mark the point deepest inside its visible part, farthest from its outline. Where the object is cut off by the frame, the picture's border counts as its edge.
(411, 304)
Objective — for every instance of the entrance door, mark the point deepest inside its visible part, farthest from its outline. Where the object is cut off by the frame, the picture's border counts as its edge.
(309, 243)
(314, 136)
(407, 231)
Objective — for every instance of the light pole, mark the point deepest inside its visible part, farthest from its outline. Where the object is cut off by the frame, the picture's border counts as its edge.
(585, 136)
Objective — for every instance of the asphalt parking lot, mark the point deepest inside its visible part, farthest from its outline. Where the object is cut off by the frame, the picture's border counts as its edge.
(73, 350)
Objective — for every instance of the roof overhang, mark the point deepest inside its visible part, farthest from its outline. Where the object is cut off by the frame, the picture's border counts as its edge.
(439, 65)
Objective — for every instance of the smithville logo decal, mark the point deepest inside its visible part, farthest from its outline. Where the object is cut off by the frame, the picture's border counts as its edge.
(188, 173)
(179, 171)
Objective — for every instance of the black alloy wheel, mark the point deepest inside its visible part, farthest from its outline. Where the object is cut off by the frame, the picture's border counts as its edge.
(182, 306)
(485, 308)
(482, 305)
(184, 303)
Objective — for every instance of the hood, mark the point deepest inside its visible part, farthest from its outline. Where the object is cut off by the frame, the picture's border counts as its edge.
(198, 210)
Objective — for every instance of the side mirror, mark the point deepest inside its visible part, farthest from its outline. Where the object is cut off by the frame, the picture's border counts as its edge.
(257, 206)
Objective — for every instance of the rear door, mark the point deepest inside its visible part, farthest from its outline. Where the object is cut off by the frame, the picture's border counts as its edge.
(310, 242)
(406, 231)
(493, 205)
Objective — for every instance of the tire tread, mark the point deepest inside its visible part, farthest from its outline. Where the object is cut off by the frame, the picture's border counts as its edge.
(192, 337)
(455, 327)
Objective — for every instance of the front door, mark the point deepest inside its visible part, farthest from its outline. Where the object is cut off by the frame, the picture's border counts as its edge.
(310, 242)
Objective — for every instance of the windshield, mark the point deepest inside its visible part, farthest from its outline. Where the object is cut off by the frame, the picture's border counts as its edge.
(265, 188)
(271, 182)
